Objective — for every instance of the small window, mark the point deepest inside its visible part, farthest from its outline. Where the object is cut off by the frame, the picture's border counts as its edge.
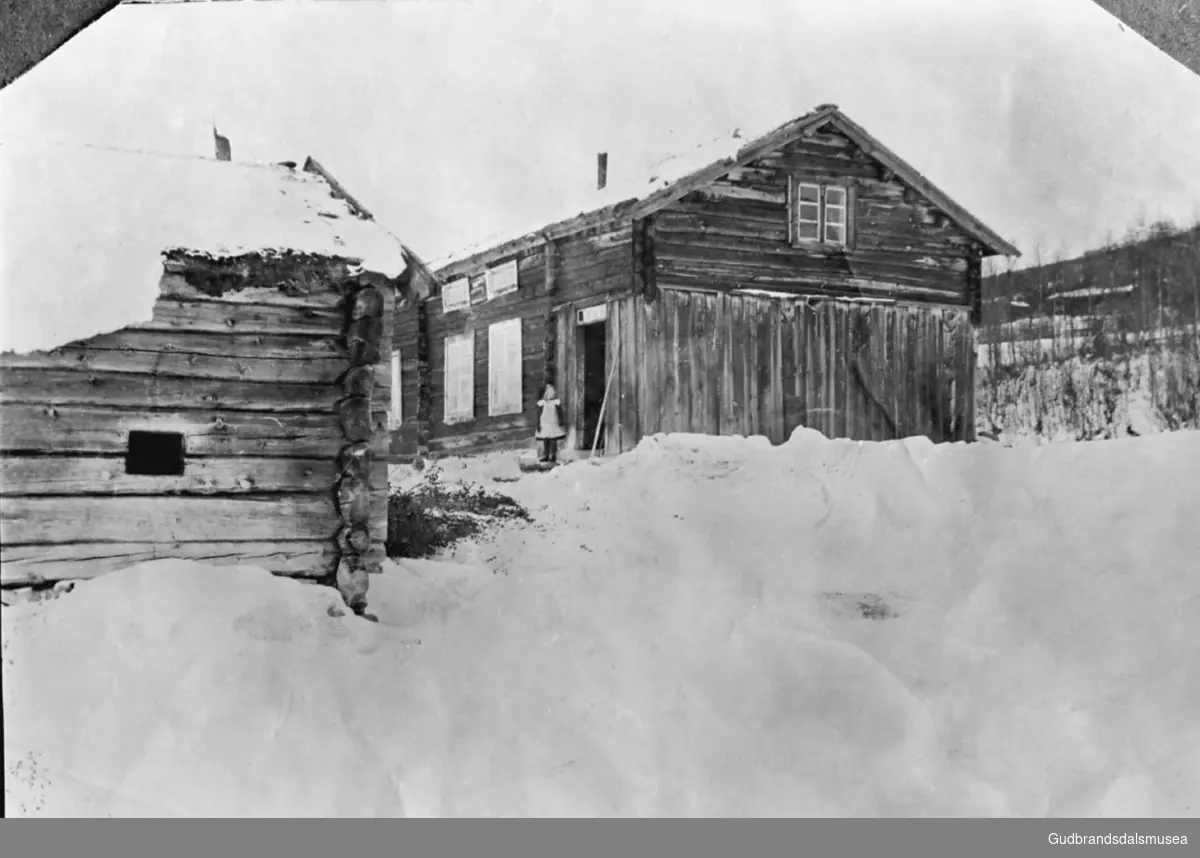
(459, 392)
(502, 279)
(396, 415)
(808, 212)
(504, 368)
(835, 215)
(821, 214)
(456, 295)
(155, 454)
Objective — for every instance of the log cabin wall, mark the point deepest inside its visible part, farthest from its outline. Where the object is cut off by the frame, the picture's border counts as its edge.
(553, 280)
(735, 232)
(722, 364)
(412, 435)
(529, 304)
(254, 382)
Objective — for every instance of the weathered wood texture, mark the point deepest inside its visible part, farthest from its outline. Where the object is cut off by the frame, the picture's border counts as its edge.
(581, 270)
(100, 475)
(161, 518)
(735, 233)
(723, 364)
(249, 376)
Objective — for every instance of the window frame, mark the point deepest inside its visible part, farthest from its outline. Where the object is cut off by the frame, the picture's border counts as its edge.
(824, 206)
(456, 409)
(501, 336)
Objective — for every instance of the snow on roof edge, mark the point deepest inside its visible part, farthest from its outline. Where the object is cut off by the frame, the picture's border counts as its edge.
(62, 201)
(665, 172)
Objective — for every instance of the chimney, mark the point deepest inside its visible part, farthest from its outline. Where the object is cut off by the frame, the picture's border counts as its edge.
(222, 145)
(601, 170)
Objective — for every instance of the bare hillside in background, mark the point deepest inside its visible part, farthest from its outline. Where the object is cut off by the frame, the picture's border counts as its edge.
(1172, 25)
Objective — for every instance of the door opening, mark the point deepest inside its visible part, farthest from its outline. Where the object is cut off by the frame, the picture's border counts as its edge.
(593, 351)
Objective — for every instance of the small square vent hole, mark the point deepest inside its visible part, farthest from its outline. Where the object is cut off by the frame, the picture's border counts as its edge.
(155, 454)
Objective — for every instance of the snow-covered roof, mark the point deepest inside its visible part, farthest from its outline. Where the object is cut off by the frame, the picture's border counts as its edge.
(84, 231)
(708, 161)
(665, 173)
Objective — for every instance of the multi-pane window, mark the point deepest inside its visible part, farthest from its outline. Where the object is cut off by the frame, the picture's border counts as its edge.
(808, 212)
(821, 214)
(835, 215)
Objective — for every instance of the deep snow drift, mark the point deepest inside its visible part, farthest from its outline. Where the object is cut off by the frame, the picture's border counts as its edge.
(701, 627)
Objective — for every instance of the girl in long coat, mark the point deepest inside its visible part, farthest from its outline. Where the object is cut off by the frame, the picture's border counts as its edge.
(550, 427)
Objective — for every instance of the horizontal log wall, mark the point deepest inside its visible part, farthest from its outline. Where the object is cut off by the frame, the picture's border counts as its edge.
(735, 233)
(249, 379)
(583, 270)
(528, 303)
(722, 364)
(409, 437)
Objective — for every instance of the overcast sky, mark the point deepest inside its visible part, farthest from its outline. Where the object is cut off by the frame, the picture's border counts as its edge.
(457, 118)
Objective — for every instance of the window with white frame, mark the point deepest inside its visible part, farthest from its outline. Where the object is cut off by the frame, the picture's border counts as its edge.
(821, 214)
(456, 295)
(504, 368)
(502, 279)
(460, 378)
(396, 415)
(835, 215)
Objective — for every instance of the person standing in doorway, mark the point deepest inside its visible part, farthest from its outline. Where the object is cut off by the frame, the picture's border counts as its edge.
(550, 428)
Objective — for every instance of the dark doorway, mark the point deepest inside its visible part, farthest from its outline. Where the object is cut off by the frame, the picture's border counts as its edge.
(592, 349)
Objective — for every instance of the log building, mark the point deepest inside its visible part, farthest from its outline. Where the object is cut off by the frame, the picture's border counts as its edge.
(194, 365)
(805, 277)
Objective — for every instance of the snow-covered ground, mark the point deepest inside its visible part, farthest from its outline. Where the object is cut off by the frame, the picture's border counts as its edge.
(703, 626)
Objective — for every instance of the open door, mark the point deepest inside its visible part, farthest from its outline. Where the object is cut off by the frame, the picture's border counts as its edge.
(593, 352)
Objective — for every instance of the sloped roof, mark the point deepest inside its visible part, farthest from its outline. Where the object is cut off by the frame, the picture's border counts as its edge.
(679, 175)
(85, 229)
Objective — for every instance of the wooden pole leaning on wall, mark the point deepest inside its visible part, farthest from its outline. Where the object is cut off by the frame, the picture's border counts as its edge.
(352, 487)
(604, 402)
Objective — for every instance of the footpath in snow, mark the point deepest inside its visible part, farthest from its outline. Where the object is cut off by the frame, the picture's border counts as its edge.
(703, 626)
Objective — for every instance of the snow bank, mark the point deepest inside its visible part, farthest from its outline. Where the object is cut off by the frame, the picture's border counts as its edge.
(85, 228)
(704, 626)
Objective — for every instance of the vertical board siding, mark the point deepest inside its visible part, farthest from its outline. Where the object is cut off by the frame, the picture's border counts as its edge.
(714, 363)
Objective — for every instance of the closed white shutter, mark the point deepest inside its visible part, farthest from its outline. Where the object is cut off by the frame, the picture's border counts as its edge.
(502, 279)
(456, 295)
(504, 368)
(396, 416)
(460, 378)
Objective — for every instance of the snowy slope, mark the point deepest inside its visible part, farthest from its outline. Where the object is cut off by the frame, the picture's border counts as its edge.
(681, 631)
(83, 230)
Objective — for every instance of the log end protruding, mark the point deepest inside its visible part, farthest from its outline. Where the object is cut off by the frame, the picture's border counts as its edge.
(356, 552)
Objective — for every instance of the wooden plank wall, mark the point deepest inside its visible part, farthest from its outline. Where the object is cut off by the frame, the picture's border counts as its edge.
(624, 337)
(721, 364)
(251, 383)
(734, 233)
